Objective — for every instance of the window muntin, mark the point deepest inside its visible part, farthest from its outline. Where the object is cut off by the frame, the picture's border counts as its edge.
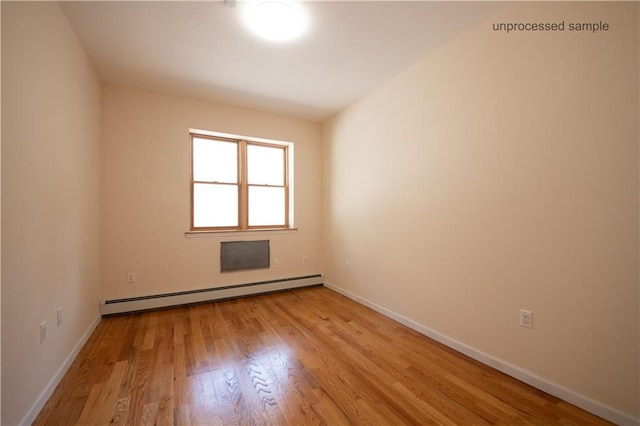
(238, 184)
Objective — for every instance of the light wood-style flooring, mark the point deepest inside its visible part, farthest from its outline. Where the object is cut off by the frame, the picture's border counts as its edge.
(303, 357)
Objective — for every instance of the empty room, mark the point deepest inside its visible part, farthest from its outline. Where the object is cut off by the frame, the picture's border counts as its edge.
(320, 212)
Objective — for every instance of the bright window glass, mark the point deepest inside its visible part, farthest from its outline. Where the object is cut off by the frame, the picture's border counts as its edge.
(239, 184)
(265, 165)
(215, 205)
(266, 206)
(215, 161)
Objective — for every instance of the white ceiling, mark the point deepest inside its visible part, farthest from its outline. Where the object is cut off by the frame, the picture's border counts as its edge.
(200, 49)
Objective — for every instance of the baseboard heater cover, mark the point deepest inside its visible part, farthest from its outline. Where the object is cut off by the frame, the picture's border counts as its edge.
(158, 301)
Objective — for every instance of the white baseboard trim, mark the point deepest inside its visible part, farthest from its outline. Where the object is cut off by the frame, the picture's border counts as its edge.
(57, 377)
(523, 375)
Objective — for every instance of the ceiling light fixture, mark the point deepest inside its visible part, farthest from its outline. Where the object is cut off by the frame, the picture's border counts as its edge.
(276, 20)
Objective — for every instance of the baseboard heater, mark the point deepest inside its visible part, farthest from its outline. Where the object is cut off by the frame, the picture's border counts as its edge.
(158, 301)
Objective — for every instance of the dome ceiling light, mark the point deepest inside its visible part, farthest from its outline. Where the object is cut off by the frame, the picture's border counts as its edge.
(275, 20)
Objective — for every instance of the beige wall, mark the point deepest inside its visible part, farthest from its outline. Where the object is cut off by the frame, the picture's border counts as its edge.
(145, 194)
(501, 173)
(0, 218)
(50, 203)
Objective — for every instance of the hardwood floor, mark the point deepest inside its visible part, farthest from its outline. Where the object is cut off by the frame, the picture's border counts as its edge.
(304, 357)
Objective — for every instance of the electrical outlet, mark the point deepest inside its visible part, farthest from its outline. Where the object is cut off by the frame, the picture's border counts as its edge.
(43, 332)
(131, 277)
(275, 263)
(59, 313)
(305, 260)
(347, 266)
(526, 318)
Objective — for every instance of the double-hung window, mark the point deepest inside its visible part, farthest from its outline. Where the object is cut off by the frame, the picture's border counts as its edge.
(238, 184)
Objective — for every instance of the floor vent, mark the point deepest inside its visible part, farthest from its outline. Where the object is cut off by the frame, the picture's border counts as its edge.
(158, 301)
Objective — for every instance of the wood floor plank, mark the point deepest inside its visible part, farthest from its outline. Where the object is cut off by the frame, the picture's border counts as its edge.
(303, 357)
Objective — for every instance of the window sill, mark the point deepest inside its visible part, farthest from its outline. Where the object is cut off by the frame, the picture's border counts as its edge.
(232, 233)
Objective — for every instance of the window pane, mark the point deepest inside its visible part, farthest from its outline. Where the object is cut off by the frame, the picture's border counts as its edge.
(265, 165)
(266, 206)
(215, 205)
(215, 161)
